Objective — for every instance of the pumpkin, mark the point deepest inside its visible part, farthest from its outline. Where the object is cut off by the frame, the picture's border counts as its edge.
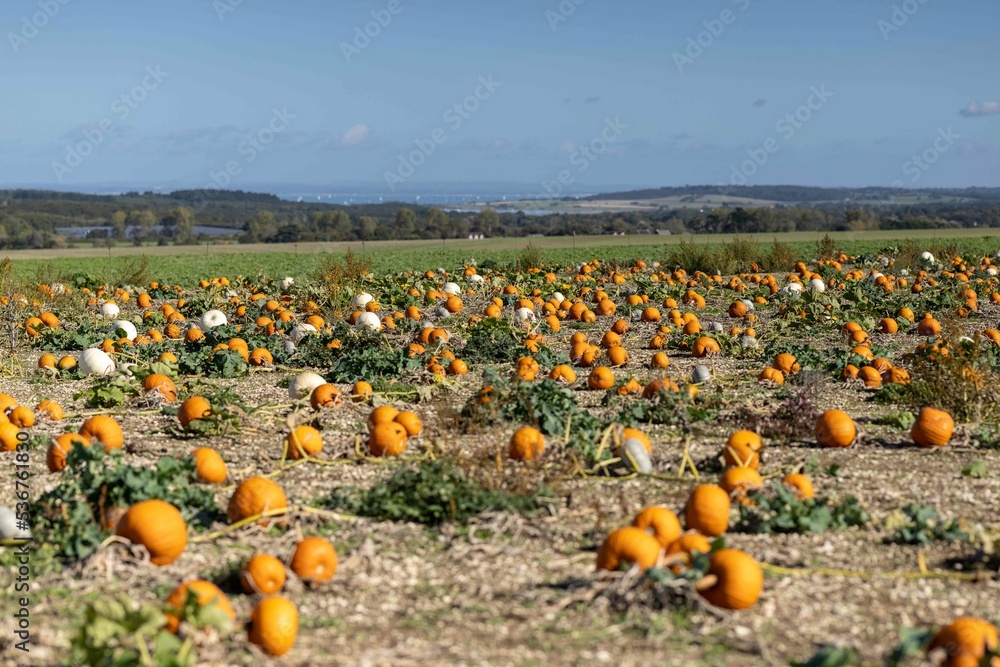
(687, 544)
(263, 574)
(526, 444)
(162, 384)
(255, 495)
(209, 466)
(314, 560)
(387, 439)
(933, 428)
(55, 457)
(411, 422)
(22, 417)
(206, 592)
(50, 408)
(158, 526)
(739, 580)
(738, 481)
(705, 346)
(707, 510)
(628, 545)
(660, 522)
(274, 625)
(325, 396)
(800, 484)
(601, 378)
(835, 428)
(771, 375)
(8, 437)
(965, 641)
(361, 392)
(192, 409)
(102, 428)
(785, 363)
(743, 449)
(303, 441)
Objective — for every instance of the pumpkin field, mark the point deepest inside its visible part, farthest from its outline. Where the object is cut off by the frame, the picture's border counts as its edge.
(739, 455)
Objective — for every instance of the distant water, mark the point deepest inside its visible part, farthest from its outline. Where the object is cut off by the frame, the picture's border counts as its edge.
(451, 200)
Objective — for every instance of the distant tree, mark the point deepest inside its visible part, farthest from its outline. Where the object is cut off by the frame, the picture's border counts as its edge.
(406, 223)
(341, 229)
(367, 227)
(144, 220)
(437, 224)
(118, 226)
(487, 221)
(261, 228)
(179, 223)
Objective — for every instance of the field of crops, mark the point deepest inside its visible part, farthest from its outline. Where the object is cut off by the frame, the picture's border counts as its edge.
(641, 451)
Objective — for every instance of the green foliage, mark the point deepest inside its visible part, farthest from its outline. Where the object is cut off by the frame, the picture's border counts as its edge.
(901, 420)
(921, 525)
(108, 392)
(67, 516)
(831, 656)
(975, 470)
(782, 510)
(667, 407)
(122, 633)
(86, 334)
(432, 493)
(493, 340)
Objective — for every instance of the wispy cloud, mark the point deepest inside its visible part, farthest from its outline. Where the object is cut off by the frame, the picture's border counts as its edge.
(592, 100)
(760, 102)
(353, 136)
(989, 108)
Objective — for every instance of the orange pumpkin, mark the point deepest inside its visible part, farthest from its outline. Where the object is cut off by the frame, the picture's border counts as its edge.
(207, 593)
(707, 510)
(660, 522)
(209, 466)
(739, 580)
(274, 625)
(628, 545)
(255, 495)
(263, 574)
(314, 560)
(965, 642)
(303, 441)
(835, 428)
(743, 449)
(526, 444)
(933, 428)
(102, 428)
(158, 526)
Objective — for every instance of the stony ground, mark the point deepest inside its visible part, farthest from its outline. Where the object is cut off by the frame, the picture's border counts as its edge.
(509, 589)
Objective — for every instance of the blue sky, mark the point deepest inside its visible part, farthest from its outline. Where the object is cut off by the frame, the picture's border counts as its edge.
(895, 77)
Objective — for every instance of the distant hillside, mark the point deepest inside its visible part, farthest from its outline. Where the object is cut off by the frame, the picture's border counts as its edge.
(805, 195)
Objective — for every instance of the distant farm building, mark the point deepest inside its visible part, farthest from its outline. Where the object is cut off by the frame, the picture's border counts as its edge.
(476, 237)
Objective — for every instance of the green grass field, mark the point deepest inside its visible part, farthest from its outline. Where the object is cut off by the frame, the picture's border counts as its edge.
(187, 264)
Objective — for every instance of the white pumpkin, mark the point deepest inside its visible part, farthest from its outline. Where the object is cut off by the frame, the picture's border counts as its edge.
(451, 289)
(635, 457)
(817, 285)
(302, 385)
(286, 283)
(927, 257)
(300, 331)
(289, 347)
(558, 297)
(524, 315)
(95, 362)
(748, 341)
(8, 526)
(368, 321)
(110, 311)
(127, 327)
(361, 300)
(476, 279)
(213, 318)
(748, 303)
(701, 373)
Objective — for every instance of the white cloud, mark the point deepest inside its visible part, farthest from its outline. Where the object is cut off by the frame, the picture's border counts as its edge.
(354, 136)
(990, 108)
